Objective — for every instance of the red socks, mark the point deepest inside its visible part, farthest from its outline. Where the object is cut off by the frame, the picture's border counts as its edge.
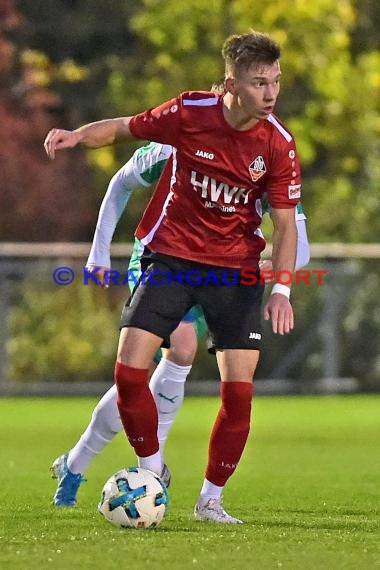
(230, 431)
(137, 409)
(138, 413)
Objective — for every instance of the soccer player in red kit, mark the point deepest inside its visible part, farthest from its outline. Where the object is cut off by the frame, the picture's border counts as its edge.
(230, 150)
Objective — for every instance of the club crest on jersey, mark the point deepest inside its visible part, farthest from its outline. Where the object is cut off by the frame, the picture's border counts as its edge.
(257, 169)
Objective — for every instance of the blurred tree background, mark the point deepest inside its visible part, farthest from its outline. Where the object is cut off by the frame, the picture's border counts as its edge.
(66, 62)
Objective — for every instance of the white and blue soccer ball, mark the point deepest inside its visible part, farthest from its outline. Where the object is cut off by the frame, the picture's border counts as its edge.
(134, 498)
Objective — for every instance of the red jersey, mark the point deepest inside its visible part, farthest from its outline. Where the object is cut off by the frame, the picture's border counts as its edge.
(210, 200)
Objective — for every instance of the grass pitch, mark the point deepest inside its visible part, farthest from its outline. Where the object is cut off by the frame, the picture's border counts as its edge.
(308, 488)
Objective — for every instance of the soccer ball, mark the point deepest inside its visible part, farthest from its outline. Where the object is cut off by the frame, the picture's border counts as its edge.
(134, 498)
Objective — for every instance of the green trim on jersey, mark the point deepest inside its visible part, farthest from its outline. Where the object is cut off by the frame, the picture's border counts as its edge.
(153, 173)
(266, 207)
(265, 204)
(135, 262)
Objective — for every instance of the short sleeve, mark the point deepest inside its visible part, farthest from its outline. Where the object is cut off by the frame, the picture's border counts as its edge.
(284, 181)
(161, 124)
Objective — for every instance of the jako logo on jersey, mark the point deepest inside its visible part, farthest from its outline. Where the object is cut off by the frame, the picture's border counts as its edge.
(205, 154)
(254, 336)
(214, 191)
(257, 169)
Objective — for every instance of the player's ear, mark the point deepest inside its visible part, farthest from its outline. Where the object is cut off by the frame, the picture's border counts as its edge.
(230, 85)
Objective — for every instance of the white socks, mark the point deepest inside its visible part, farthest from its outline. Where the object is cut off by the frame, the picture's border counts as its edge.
(209, 491)
(167, 385)
(152, 462)
(105, 424)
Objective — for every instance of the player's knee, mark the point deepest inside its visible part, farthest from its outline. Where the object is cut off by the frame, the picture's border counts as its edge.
(183, 345)
(127, 379)
(182, 353)
(237, 399)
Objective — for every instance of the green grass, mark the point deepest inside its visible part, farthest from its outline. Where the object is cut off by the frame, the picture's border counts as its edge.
(308, 488)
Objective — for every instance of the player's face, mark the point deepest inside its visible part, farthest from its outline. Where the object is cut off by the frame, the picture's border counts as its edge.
(257, 89)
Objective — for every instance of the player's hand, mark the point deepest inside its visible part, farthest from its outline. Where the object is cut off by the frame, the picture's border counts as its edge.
(58, 139)
(100, 274)
(266, 265)
(266, 270)
(280, 311)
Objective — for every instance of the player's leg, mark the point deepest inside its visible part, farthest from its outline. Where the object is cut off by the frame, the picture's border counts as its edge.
(105, 423)
(230, 431)
(168, 381)
(236, 336)
(167, 387)
(151, 316)
(69, 468)
(135, 402)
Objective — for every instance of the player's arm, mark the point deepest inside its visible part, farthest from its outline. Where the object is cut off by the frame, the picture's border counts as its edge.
(143, 169)
(92, 135)
(161, 124)
(278, 307)
(303, 249)
(113, 205)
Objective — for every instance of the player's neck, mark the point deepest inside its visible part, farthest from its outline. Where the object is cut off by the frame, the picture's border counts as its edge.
(235, 116)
